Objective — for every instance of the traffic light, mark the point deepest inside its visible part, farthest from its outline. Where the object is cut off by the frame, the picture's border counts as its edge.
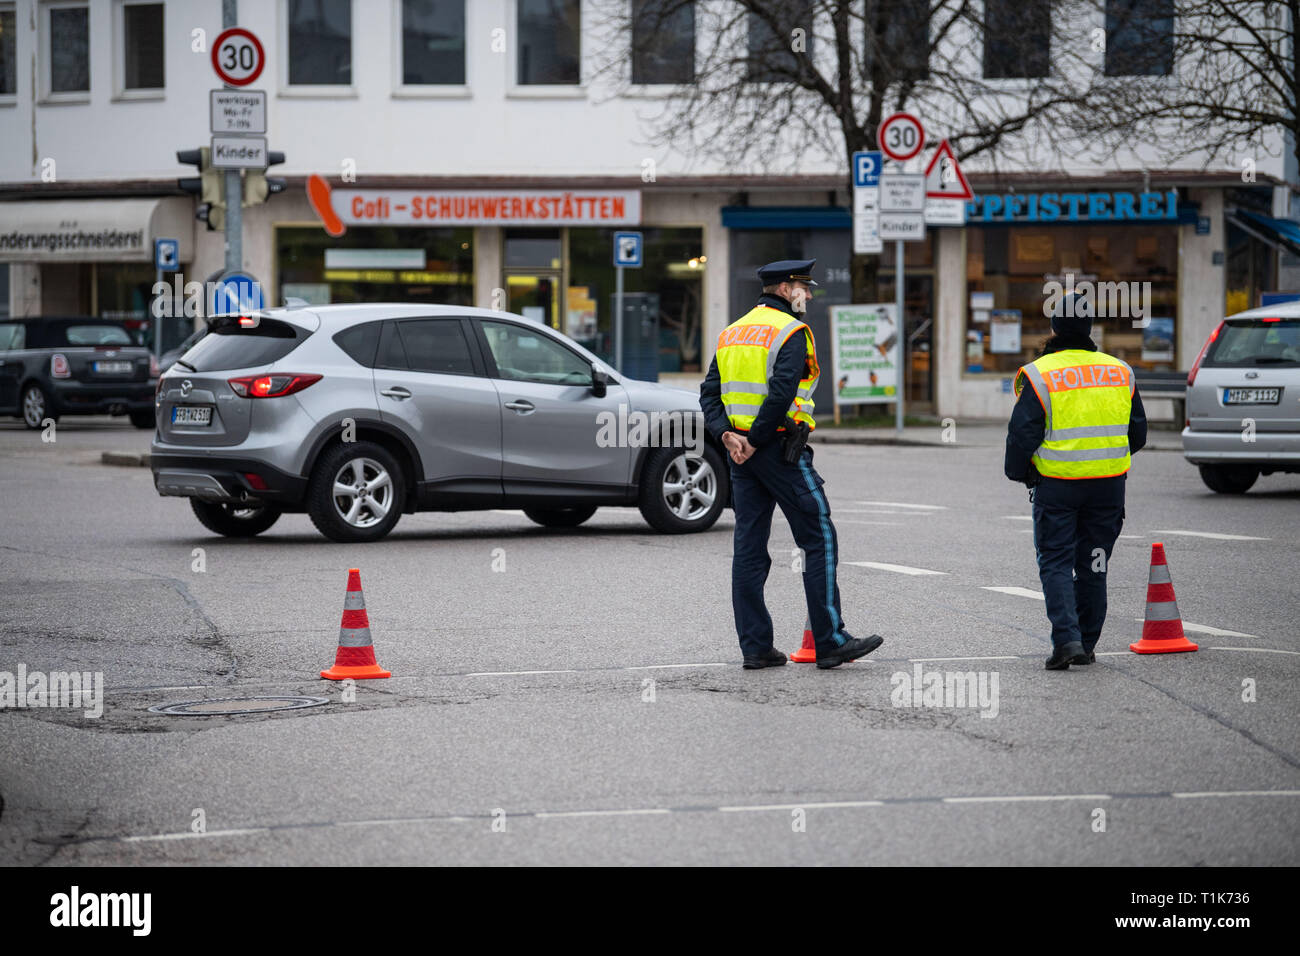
(258, 186)
(207, 186)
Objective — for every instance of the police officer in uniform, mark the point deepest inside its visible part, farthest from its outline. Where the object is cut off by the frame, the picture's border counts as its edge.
(757, 400)
(1070, 440)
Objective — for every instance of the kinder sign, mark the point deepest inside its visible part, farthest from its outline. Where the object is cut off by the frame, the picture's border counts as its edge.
(341, 208)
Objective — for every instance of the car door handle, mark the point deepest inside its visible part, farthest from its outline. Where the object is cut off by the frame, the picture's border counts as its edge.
(396, 392)
(521, 406)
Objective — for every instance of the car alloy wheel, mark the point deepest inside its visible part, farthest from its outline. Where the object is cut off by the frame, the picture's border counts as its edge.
(34, 407)
(689, 487)
(363, 492)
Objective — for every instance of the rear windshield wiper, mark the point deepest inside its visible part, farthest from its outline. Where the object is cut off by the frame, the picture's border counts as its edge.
(187, 365)
(1261, 359)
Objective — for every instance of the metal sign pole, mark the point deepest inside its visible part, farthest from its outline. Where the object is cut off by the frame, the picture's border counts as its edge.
(898, 307)
(234, 187)
(618, 319)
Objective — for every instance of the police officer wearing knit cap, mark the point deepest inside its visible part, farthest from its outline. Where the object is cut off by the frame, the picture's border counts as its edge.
(1070, 440)
(757, 400)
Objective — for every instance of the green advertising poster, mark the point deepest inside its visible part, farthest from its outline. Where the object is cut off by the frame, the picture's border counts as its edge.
(863, 346)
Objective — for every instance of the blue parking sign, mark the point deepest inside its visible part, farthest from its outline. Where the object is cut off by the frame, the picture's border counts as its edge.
(866, 168)
(235, 294)
(627, 250)
(166, 255)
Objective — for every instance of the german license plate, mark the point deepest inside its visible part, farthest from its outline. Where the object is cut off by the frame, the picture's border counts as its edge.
(1252, 396)
(192, 415)
(113, 368)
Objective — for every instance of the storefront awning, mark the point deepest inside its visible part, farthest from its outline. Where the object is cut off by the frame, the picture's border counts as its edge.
(1279, 233)
(94, 230)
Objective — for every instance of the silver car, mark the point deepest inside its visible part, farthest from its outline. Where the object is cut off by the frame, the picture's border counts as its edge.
(1243, 399)
(356, 414)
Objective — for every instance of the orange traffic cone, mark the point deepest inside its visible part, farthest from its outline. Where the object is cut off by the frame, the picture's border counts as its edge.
(1162, 631)
(807, 654)
(355, 656)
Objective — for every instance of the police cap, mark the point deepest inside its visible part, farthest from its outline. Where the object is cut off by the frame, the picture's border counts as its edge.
(787, 270)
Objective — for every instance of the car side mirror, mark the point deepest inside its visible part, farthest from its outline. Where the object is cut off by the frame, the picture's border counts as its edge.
(599, 382)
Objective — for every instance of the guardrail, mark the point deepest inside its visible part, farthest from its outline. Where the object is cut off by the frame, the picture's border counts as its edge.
(1171, 385)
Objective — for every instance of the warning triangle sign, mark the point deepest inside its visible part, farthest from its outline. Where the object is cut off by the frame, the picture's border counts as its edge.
(944, 178)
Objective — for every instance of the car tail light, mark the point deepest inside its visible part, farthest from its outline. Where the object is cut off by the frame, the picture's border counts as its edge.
(1274, 319)
(158, 389)
(59, 367)
(255, 481)
(271, 386)
(154, 370)
(1196, 366)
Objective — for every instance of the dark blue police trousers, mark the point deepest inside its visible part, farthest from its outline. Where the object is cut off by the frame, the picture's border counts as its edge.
(1076, 522)
(757, 486)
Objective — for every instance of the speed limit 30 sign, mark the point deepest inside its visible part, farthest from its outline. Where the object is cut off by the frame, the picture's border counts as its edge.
(238, 57)
(901, 136)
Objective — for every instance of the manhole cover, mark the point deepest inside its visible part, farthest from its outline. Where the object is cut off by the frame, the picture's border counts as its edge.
(236, 705)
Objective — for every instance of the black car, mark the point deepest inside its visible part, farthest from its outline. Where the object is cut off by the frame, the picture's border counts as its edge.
(74, 366)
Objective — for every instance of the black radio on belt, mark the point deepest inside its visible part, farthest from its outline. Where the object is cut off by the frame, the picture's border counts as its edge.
(796, 438)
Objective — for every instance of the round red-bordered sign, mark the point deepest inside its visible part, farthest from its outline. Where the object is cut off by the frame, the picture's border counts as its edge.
(907, 133)
(238, 56)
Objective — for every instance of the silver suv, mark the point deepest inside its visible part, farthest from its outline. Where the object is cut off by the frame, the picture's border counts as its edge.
(1243, 399)
(356, 414)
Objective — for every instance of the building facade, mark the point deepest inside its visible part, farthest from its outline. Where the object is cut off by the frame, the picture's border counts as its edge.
(477, 152)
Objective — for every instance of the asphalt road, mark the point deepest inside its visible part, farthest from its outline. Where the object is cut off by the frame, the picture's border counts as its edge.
(585, 703)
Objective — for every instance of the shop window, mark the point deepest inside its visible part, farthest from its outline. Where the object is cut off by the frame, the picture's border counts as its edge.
(67, 48)
(673, 267)
(142, 46)
(1017, 38)
(1139, 37)
(433, 42)
(533, 249)
(898, 34)
(376, 264)
(549, 42)
(8, 56)
(663, 41)
(320, 42)
(1128, 274)
(772, 57)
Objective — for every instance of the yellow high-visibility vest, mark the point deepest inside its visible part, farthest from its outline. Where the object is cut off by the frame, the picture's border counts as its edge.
(746, 355)
(1087, 398)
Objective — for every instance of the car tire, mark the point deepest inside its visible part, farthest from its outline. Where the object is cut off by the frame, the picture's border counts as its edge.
(1229, 479)
(235, 520)
(34, 407)
(346, 516)
(663, 486)
(144, 418)
(559, 517)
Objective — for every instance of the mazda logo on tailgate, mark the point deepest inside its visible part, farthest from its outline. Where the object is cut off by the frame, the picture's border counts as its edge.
(186, 387)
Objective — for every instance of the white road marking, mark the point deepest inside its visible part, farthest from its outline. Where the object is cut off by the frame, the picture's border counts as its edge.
(516, 673)
(1017, 592)
(896, 568)
(1019, 517)
(1205, 629)
(504, 511)
(852, 521)
(882, 511)
(802, 806)
(1113, 653)
(932, 660)
(159, 837)
(903, 504)
(651, 667)
(600, 813)
(1139, 536)
(1199, 794)
(1029, 799)
(1214, 535)
(1256, 650)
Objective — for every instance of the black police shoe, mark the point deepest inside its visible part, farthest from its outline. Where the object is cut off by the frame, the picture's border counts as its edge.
(850, 650)
(1067, 654)
(772, 658)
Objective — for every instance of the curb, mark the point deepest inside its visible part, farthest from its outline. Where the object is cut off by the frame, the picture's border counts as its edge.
(125, 459)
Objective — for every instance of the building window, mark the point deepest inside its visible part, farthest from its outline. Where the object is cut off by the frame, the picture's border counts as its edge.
(68, 36)
(8, 62)
(549, 42)
(4, 279)
(1017, 38)
(663, 41)
(1139, 37)
(433, 42)
(320, 42)
(899, 37)
(776, 53)
(142, 49)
